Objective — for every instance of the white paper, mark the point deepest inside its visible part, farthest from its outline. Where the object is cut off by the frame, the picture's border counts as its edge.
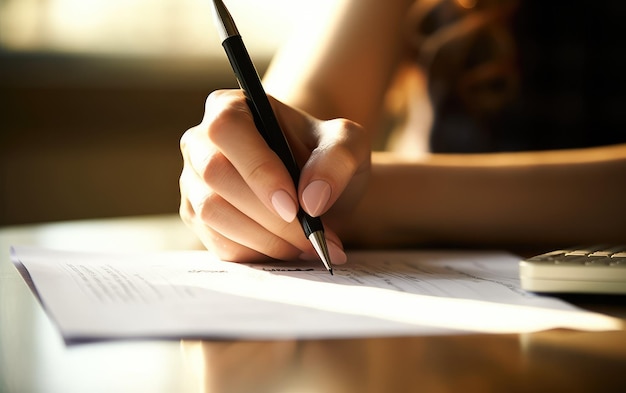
(189, 294)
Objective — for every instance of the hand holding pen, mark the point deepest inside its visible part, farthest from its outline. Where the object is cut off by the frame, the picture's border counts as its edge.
(239, 195)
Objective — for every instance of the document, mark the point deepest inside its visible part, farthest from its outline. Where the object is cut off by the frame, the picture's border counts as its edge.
(191, 294)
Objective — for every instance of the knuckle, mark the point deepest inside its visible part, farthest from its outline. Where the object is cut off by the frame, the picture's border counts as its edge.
(220, 247)
(352, 132)
(344, 159)
(225, 111)
(186, 139)
(211, 209)
(217, 98)
(186, 212)
(274, 247)
(351, 144)
(278, 248)
(343, 123)
(347, 156)
(259, 170)
(215, 169)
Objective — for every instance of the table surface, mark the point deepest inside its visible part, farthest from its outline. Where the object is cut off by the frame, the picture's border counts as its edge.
(33, 357)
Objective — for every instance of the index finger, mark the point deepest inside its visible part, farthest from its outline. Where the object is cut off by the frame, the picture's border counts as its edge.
(230, 127)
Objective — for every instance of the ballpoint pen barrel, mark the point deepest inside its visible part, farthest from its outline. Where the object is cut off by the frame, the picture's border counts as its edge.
(265, 120)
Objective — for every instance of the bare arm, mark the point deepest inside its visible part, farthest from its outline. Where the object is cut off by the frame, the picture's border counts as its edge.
(342, 66)
(239, 199)
(556, 198)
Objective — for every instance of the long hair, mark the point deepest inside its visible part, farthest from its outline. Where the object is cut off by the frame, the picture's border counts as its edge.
(468, 53)
(467, 45)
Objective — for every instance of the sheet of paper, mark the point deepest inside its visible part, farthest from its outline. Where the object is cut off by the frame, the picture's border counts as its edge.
(189, 294)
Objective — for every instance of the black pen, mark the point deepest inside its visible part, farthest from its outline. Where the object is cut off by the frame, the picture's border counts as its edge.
(265, 119)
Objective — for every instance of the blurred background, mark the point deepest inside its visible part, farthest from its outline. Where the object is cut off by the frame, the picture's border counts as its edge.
(95, 95)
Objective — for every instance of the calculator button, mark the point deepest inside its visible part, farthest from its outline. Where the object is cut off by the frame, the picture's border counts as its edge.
(569, 259)
(583, 269)
(582, 251)
(549, 256)
(609, 251)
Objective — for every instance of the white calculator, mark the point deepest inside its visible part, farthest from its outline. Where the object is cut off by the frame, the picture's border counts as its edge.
(598, 269)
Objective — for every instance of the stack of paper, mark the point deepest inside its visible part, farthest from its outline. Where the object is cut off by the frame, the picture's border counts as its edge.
(190, 294)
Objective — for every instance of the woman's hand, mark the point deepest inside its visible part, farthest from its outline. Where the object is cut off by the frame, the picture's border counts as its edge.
(237, 195)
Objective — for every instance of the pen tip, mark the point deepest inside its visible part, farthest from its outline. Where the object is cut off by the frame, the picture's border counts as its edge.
(319, 243)
(331, 271)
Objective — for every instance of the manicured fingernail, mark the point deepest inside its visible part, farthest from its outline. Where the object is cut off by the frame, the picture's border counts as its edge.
(284, 205)
(315, 197)
(337, 255)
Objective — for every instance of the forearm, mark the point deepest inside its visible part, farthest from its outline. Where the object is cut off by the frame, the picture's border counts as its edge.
(340, 66)
(512, 199)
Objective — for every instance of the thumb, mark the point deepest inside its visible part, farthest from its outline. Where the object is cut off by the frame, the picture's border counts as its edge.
(340, 160)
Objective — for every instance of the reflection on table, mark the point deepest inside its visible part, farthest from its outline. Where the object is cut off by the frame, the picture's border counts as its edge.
(35, 359)
(562, 361)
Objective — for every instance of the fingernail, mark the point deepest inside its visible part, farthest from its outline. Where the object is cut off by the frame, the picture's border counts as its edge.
(315, 197)
(337, 255)
(284, 205)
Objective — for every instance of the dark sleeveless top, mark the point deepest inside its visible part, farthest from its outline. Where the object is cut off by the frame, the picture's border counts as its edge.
(524, 75)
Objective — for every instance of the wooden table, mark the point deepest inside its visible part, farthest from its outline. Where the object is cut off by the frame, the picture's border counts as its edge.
(33, 357)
